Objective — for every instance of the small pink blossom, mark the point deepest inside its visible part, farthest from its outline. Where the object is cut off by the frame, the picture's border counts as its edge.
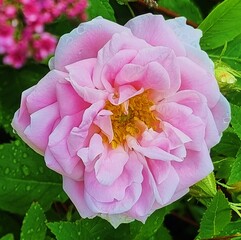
(127, 114)
(16, 57)
(25, 20)
(6, 37)
(43, 46)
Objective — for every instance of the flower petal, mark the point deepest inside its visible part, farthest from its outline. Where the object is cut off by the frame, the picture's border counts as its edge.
(75, 190)
(110, 166)
(222, 114)
(195, 167)
(81, 42)
(41, 125)
(196, 78)
(154, 30)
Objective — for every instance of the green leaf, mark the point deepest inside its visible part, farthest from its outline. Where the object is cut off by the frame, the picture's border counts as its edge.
(184, 8)
(153, 223)
(34, 227)
(221, 25)
(12, 83)
(9, 236)
(233, 229)
(83, 229)
(122, 2)
(229, 144)
(204, 189)
(24, 178)
(215, 218)
(223, 167)
(231, 55)
(236, 116)
(235, 175)
(100, 8)
(162, 234)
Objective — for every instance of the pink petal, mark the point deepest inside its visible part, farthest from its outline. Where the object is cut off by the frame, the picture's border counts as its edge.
(81, 43)
(41, 125)
(184, 32)
(75, 191)
(166, 193)
(132, 193)
(44, 93)
(80, 73)
(145, 202)
(90, 154)
(195, 167)
(196, 78)
(125, 93)
(78, 135)
(152, 76)
(109, 166)
(155, 31)
(120, 50)
(222, 114)
(114, 64)
(54, 164)
(22, 119)
(60, 149)
(181, 117)
(190, 37)
(103, 121)
(151, 152)
(68, 100)
(167, 64)
(117, 191)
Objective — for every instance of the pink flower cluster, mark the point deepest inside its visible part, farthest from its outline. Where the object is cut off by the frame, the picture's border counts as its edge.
(22, 27)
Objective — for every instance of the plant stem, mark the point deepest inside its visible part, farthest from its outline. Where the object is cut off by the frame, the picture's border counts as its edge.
(130, 9)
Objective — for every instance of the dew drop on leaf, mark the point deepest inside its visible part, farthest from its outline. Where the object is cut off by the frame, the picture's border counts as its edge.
(17, 143)
(7, 170)
(41, 169)
(25, 170)
(28, 188)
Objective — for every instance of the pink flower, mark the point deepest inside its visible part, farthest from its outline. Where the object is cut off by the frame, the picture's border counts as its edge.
(127, 115)
(16, 55)
(44, 46)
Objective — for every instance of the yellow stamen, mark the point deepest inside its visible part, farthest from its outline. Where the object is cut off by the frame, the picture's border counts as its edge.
(131, 118)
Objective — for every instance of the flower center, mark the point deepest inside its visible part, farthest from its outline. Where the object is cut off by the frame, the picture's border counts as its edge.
(131, 118)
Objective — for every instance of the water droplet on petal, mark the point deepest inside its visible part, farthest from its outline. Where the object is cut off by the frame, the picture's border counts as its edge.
(226, 120)
(68, 40)
(80, 51)
(80, 29)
